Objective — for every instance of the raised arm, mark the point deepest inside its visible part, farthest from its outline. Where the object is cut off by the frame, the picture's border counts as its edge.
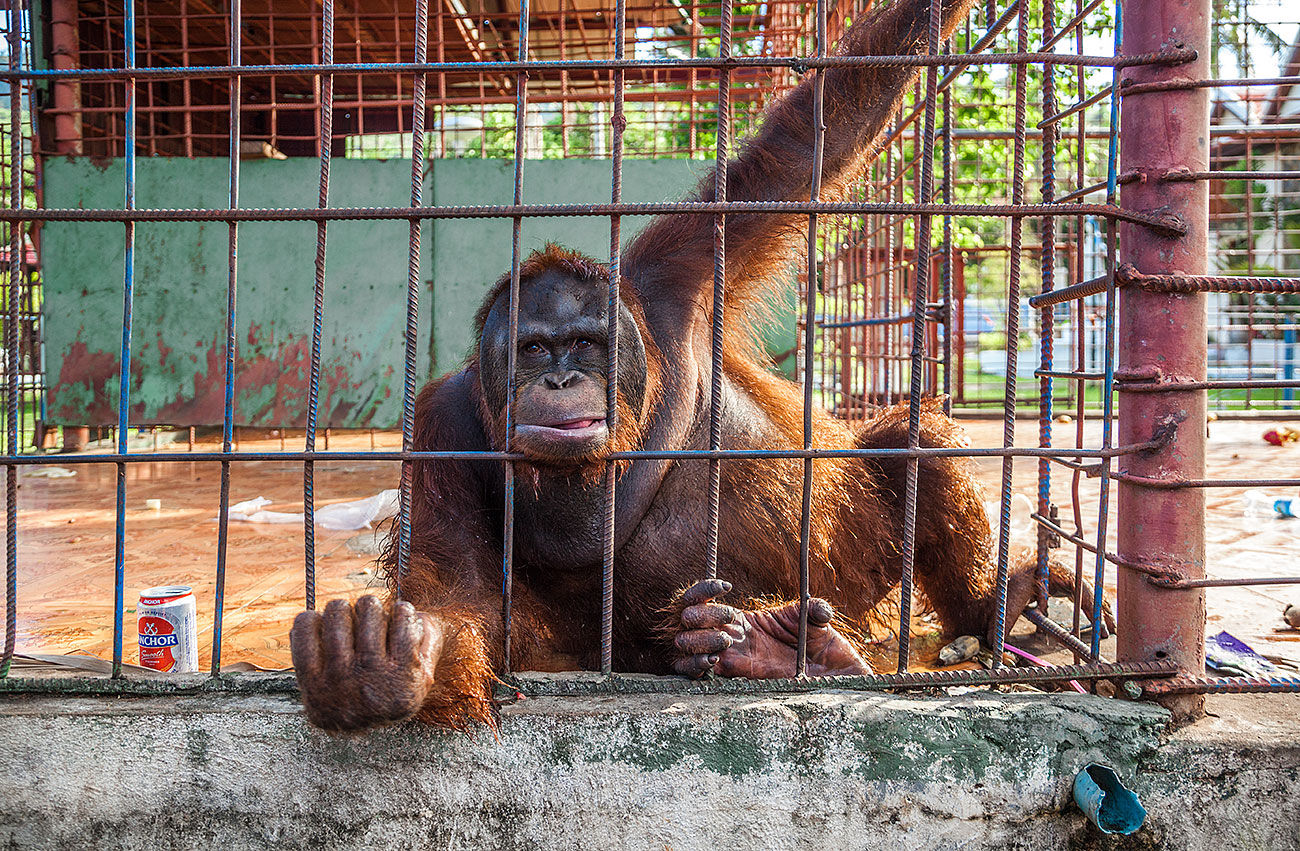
(674, 254)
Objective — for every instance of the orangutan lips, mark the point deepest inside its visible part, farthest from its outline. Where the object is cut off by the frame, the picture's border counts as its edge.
(578, 424)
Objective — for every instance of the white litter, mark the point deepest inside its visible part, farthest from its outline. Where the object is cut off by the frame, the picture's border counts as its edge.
(341, 516)
(1022, 524)
(50, 473)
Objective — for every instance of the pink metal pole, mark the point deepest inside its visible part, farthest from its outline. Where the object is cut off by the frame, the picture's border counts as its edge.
(1165, 333)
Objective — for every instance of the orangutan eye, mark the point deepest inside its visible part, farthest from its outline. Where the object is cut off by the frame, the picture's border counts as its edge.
(582, 344)
(533, 349)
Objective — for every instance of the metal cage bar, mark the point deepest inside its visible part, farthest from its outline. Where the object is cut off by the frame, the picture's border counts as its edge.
(861, 269)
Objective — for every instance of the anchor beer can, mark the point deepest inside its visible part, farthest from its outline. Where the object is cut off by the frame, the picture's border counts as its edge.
(168, 628)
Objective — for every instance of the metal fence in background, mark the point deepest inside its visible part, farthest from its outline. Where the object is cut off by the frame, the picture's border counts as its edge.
(1018, 185)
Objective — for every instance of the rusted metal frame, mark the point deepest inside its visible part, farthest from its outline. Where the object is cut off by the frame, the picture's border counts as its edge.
(1055, 631)
(619, 124)
(1181, 176)
(152, 134)
(1181, 484)
(1183, 385)
(65, 55)
(1080, 350)
(631, 455)
(946, 294)
(577, 687)
(1189, 685)
(419, 92)
(397, 79)
(809, 341)
(581, 686)
(128, 304)
(639, 95)
(1070, 374)
(1162, 57)
(864, 323)
(920, 291)
(1177, 85)
(516, 225)
(1072, 24)
(1047, 269)
(1128, 276)
(232, 339)
(1082, 191)
(1250, 261)
(13, 367)
(1079, 106)
(1159, 222)
(952, 73)
(442, 80)
(1012, 350)
(1112, 188)
(324, 150)
(719, 290)
(1163, 327)
(1163, 574)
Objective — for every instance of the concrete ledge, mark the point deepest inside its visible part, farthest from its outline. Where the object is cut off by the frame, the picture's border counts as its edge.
(834, 770)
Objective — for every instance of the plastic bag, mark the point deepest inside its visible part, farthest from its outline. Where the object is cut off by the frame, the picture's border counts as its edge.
(341, 516)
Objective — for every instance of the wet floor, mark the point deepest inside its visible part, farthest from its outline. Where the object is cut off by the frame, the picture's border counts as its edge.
(66, 541)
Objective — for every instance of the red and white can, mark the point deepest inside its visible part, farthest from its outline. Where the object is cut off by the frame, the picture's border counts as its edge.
(168, 629)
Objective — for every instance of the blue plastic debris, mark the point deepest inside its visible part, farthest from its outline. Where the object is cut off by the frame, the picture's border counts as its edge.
(1106, 802)
(1230, 656)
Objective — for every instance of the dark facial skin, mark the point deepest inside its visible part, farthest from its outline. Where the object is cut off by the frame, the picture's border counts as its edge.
(560, 398)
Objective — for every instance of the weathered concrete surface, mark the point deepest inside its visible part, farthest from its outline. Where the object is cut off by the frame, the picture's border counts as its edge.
(829, 771)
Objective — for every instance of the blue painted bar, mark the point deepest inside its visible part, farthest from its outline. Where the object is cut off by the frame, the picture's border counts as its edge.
(1108, 382)
(128, 302)
(232, 283)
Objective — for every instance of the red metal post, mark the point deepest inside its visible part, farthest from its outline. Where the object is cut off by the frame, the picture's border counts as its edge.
(1165, 333)
(64, 52)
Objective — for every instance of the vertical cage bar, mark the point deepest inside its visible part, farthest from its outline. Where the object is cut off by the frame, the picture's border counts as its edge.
(412, 294)
(619, 123)
(1047, 268)
(809, 340)
(946, 283)
(124, 377)
(1165, 131)
(232, 341)
(1080, 336)
(1108, 382)
(920, 292)
(11, 336)
(324, 146)
(719, 289)
(516, 225)
(1002, 616)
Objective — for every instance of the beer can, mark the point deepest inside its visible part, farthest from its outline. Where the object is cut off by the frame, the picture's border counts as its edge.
(168, 629)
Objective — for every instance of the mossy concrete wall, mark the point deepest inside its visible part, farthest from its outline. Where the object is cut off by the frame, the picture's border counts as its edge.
(181, 271)
(828, 771)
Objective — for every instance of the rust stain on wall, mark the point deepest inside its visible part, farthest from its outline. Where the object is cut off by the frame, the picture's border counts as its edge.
(272, 384)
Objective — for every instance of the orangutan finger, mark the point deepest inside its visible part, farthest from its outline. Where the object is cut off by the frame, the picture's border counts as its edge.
(336, 636)
(704, 590)
(820, 612)
(695, 666)
(304, 644)
(371, 635)
(702, 641)
(707, 615)
(405, 631)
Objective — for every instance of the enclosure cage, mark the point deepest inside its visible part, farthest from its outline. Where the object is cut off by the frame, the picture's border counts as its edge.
(1041, 229)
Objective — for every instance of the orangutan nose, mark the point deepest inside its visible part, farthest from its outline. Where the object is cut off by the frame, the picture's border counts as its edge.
(560, 380)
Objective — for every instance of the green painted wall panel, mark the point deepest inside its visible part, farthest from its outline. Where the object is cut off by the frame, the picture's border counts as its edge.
(181, 269)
